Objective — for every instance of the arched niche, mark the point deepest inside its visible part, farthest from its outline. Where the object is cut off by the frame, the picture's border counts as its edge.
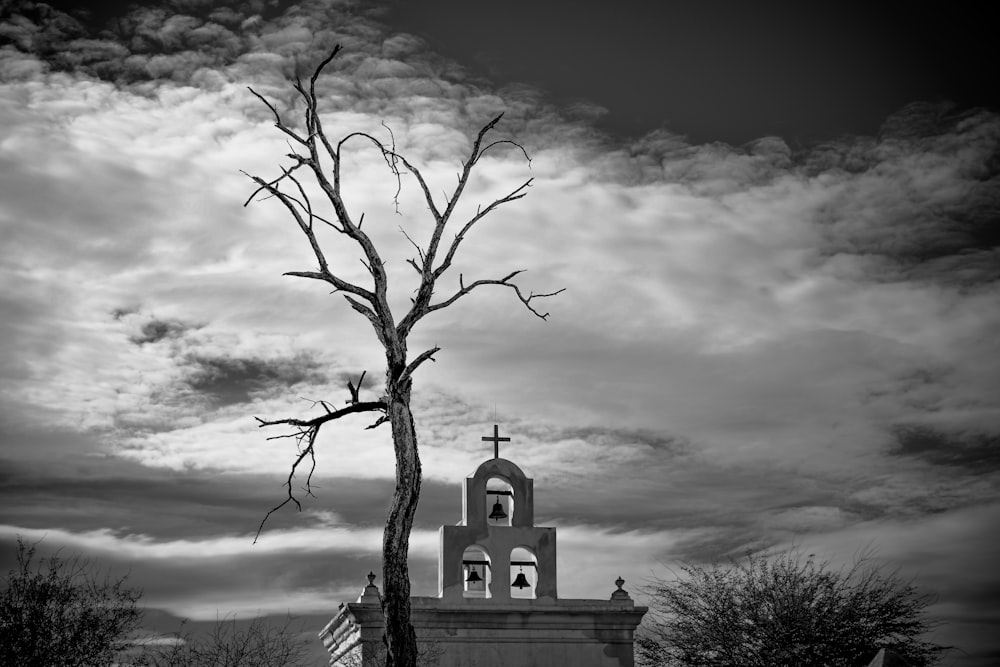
(500, 496)
(476, 559)
(475, 510)
(523, 561)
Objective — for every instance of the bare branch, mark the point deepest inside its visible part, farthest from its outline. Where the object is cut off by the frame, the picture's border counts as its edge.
(506, 141)
(372, 316)
(423, 186)
(381, 420)
(379, 304)
(429, 354)
(290, 498)
(462, 182)
(515, 194)
(354, 390)
(306, 206)
(304, 432)
(305, 203)
(421, 305)
(305, 225)
(504, 282)
(420, 251)
(430, 274)
(339, 284)
(362, 406)
(392, 165)
(388, 154)
(270, 186)
(320, 68)
(278, 123)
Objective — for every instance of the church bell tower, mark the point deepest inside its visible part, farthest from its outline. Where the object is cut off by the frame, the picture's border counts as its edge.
(497, 601)
(497, 553)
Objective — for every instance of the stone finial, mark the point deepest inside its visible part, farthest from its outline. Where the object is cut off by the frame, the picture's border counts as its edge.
(370, 595)
(620, 594)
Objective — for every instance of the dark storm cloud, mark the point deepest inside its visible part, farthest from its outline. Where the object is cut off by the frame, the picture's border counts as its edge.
(975, 453)
(263, 44)
(156, 330)
(205, 370)
(918, 202)
(36, 27)
(146, 42)
(177, 40)
(710, 169)
(924, 196)
(719, 511)
(174, 504)
(227, 380)
(69, 484)
(853, 155)
(603, 435)
(62, 479)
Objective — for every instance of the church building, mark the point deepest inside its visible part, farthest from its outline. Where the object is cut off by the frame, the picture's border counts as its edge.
(497, 601)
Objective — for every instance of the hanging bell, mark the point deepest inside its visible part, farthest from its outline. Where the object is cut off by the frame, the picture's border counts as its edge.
(498, 512)
(520, 581)
(473, 577)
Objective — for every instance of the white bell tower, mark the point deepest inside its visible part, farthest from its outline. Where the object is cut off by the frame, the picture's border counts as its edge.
(498, 540)
(497, 602)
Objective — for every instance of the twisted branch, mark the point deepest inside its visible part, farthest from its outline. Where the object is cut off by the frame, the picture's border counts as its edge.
(504, 282)
(304, 433)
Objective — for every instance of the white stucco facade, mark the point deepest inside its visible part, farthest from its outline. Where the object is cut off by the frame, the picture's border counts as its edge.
(502, 619)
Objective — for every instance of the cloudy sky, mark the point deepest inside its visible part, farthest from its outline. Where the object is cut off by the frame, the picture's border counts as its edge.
(777, 231)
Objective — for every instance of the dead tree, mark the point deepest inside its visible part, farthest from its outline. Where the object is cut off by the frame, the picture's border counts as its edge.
(319, 158)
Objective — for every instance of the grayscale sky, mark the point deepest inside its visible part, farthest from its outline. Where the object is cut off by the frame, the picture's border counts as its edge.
(776, 227)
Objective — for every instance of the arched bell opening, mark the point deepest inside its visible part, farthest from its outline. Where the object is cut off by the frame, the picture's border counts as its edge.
(500, 501)
(523, 574)
(477, 575)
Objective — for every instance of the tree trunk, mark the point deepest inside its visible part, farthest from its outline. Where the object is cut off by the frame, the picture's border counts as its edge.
(400, 638)
(313, 153)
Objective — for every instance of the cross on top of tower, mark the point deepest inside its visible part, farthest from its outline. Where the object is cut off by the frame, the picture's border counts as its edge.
(496, 440)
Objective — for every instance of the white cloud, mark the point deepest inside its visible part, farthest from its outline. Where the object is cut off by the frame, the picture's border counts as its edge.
(726, 288)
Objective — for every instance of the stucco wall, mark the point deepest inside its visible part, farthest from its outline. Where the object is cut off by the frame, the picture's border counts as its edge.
(471, 633)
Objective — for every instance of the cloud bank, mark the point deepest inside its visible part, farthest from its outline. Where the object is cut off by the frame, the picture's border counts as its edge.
(759, 345)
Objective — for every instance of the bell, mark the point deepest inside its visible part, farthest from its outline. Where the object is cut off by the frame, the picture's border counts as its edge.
(498, 512)
(473, 577)
(520, 580)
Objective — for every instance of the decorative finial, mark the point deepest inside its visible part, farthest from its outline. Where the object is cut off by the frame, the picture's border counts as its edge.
(619, 582)
(620, 594)
(496, 440)
(370, 594)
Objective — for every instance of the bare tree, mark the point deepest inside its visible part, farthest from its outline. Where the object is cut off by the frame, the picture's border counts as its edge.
(784, 610)
(64, 611)
(259, 643)
(320, 157)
